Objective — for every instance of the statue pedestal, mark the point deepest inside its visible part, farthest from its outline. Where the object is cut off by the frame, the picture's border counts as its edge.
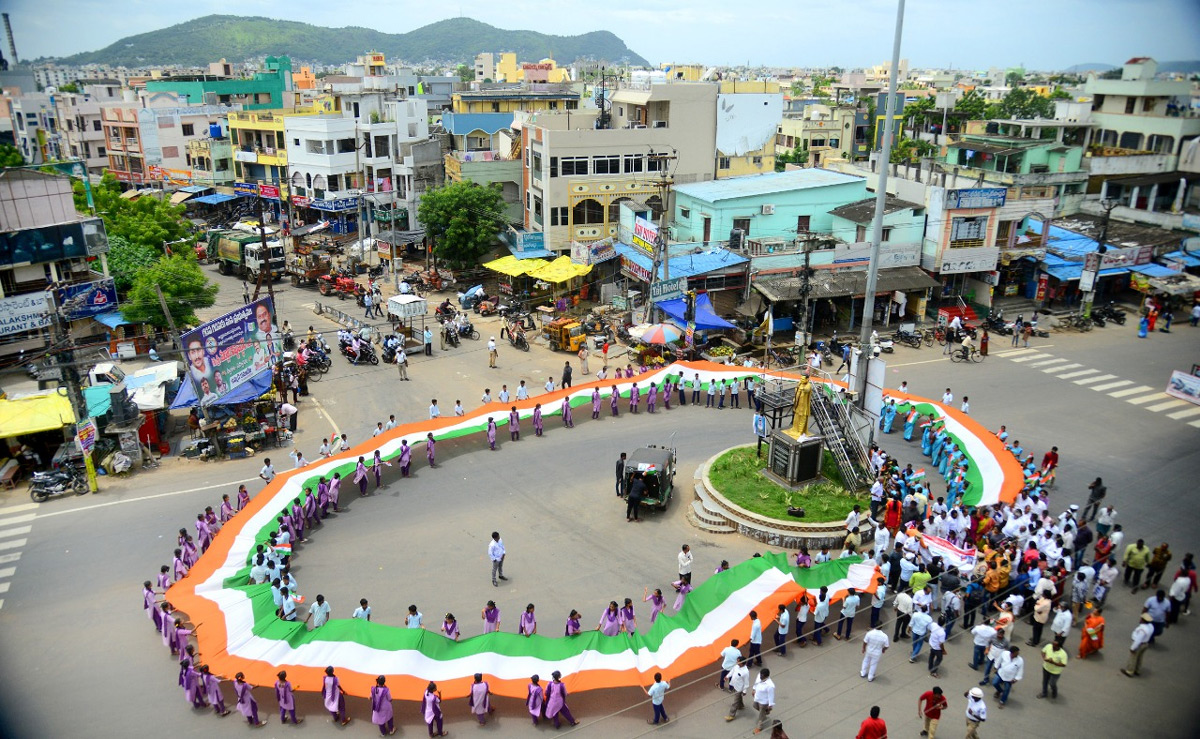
(795, 460)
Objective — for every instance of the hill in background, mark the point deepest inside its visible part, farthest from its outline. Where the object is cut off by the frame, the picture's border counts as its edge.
(203, 40)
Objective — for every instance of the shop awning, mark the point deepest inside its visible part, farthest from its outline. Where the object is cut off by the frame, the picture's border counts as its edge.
(837, 284)
(705, 317)
(560, 270)
(249, 390)
(514, 267)
(530, 253)
(214, 199)
(34, 413)
(1177, 283)
(111, 319)
(181, 196)
(1067, 271)
(1188, 259)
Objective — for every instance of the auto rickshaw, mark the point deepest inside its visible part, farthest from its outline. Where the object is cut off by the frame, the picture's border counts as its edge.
(657, 465)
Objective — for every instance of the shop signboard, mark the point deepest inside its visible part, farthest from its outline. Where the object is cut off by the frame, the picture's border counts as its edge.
(57, 243)
(668, 289)
(85, 435)
(1043, 282)
(22, 313)
(645, 235)
(632, 269)
(979, 197)
(88, 299)
(334, 205)
(268, 191)
(231, 350)
(300, 201)
(1184, 386)
(245, 188)
(594, 252)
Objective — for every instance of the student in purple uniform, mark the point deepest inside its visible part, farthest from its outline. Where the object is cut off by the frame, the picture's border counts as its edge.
(491, 617)
(657, 602)
(381, 707)
(628, 618)
(480, 700)
(226, 509)
(405, 457)
(450, 627)
(311, 510)
(298, 518)
(652, 398)
(537, 420)
(243, 497)
(360, 476)
(514, 424)
(180, 635)
(682, 588)
(335, 491)
(210, 518)
(245, 700)
(667, 389)
(614, 400)
(535, 699)
(192, 689)
(595, 402)
(211, 684)
(168, 628)
(189, 551)
(556, 701)
(610, 620)
(323, 497)
(573, 625)
(528, 623)
(635, 397)
(491, 434)
(334, 697)
(287, 700)
(150, 605)
(377, 464)
(566, 413)
(164, 578)
(430, 449)
(431, 709)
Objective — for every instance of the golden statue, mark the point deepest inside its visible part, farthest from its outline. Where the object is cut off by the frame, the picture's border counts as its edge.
(801, 409)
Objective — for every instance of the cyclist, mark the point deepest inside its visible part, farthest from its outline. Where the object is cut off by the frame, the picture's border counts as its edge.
(968, 346)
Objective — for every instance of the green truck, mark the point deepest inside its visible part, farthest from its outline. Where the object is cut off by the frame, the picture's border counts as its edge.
(241, 254)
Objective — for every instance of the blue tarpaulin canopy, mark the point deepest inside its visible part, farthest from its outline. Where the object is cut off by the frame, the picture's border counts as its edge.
(248, 390)
(1188, 259)
(705, 318)
(215, 199)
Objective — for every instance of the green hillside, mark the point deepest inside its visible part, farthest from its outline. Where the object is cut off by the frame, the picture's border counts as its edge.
(207, 39)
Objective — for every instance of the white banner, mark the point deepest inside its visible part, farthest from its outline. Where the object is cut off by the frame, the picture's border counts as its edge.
(23, 313)
(1184, 386)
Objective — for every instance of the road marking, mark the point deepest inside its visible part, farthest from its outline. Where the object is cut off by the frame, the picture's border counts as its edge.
(1195, 423)
(1111, 385)
(1097, 378)
(1027, 357)
(1130, 391)
(1013, 352)
(18, 508)
(6, 558)
(231, 483)
(4, 587)
(1166, 405)
(17, 519)
(1044, 362)
(1078, 373)
(15, 544)
(7, 571)
(1146, 398)
(18, 531)
(321, 409)
(1062, 368)
(927, 361)
(1185, 414)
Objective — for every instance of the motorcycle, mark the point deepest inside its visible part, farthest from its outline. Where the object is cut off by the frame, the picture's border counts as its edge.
(881, 344)
(995, 323)
(450, 330)
(1098, 319)
(469, 299)
(823, 351)
(467, 330)
(67, 479)
(366, 353)
(911, 338)
(376, 271)
(1112, 313)
(516, 339)
(444, 313)
(391, 347)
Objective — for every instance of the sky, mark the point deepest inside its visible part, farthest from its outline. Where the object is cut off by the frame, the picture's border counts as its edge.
(1038, 34)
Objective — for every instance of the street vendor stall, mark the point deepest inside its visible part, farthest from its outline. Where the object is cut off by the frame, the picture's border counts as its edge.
(513, 282)
(564, 279)
(34, 428)
(405, 312)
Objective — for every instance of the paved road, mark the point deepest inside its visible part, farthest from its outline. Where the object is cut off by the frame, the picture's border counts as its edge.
(71, 624)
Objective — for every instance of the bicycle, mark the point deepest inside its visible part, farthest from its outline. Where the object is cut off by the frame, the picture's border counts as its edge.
(928, 336)
(966, 354)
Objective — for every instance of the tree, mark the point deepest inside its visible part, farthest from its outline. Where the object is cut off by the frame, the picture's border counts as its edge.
(10, 156)
(146, 221)
(463, 218)
(799, 157)
(1014, 78)
(1022, 103)
(184, 286)
(972, 106)
(465, 73)
(1060, 94)
(911, 150)
(69, 87)
(126, 259)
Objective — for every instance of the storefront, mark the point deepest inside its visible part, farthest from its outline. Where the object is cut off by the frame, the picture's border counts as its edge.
(341, 213)
(37, 431)
(836, 297)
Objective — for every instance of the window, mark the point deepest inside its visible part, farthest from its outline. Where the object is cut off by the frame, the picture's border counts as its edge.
(295, 142)
(723, 163)
(607, 165)
(574, 166)
(887, 235)
(634, 163)
(1147, 105)
(757, 160)
(189, 129)
(100, 151)
(345, 146)
(96, 125)
(966, 233)
(495, 107)
(170, 152)
(537, 211)
(742, 224)
(816, 142)
(833, 143)
(587, 212)
(685, 213)
(537, 166)
(554, 166)
(572, 105)
(1130, 102)
(559, 216)
(803, 224)
(657, 164)
(553, 105)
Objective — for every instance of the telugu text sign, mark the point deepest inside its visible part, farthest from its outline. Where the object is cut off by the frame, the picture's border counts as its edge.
(23, 313)
(231, 350)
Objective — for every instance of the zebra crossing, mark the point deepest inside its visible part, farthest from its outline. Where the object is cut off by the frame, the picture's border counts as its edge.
(15, 525)
(1143, 396)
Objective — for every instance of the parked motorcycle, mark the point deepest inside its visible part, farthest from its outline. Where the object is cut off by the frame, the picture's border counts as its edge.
(995, 323)
(66, 479)
(910, 338)
(881, 344)
(1112, 313)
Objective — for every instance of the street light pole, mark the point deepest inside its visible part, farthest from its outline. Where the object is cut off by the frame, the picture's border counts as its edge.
(889, 125)
(1089, 275)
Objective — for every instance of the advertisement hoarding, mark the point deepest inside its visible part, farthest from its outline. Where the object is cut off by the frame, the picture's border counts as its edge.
(24, 313)
(88, 299)
(225, 353)
(645, 235)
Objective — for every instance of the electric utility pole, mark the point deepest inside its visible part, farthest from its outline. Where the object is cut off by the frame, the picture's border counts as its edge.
(662, 162)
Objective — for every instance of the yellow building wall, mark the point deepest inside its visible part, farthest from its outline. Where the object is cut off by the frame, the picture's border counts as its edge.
(507, 69)
(732, 87)
(531, 105)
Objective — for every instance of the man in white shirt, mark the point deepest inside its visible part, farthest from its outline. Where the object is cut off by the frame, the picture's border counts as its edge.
(875, 643)
(324, 451)
(976, 712)
(522, 391)
(363, 611)
(784, 621)
(849, 608)
(755, 640)
(267, 473)
(258, 573)
(981, 637)
(1141, 640)
(434, 411)
(904, 608)
(937, 645)
(415, 619)
(391, 423)
(287, 606)
(852, 519)
(1010, 668)
(739, 680)
(1060, 626)
(318, 612)
(947, 397)
(731, 656)
(685, 564)
(919, 628)
(877, 599)
(496, 555)
(764, 697)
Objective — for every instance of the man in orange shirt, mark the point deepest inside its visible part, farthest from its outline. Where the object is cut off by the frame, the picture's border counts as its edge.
(872, 727)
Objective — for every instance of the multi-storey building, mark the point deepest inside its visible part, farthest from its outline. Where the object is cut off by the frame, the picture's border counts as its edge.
(265, 90)
(822, 131)
(82, 126)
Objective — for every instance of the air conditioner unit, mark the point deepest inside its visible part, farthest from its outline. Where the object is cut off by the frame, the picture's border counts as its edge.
(660, 124)
(768, 210)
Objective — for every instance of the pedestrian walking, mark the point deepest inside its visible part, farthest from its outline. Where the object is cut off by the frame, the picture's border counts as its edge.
(976, 712)
(496, 555)
(334, 697)
(1096, 493)
(556, 701)
(764, 697)
(937, 645)
(535, 699)
(210, 684)
(875, 643)
(381, 707)
(685, 564)
(739, 681)
(919, 628)
(431, 709)
(514, 425)
(696, 387)
(286, 698)
(1010, 669)
(614, 400)
(1092, 639)
(1142, 635)
(782, 621)
(480, 699)
(657, 693)
(1137, 556)
(246, 704)
(537, 420)
(583, 358)
(595, 403)
(731, 656)
(1054, 661)
(566, 375)
(568, 419)
(849, 608)
(872, 727)
(635, 398)
(651, 398)
(930, 705)
(491, 433)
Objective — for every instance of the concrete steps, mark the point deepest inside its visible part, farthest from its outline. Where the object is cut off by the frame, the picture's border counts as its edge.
(703, 518)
